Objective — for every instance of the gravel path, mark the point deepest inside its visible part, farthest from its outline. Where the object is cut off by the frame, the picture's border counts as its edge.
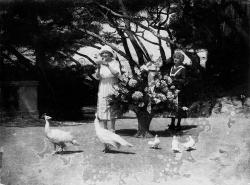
(222, 155)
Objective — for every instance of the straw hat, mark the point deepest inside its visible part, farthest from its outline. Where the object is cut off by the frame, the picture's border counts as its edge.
(107, 49)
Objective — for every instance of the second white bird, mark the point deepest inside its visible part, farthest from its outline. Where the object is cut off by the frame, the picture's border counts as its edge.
(155, 144)
(109, 138)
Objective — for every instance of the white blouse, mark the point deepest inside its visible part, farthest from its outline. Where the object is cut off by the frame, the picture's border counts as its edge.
(105, 71)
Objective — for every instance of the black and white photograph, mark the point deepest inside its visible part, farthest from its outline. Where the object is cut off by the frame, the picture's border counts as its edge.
(124, 92)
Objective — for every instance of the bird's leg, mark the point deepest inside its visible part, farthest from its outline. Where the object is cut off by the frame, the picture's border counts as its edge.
(106, 148)
(62, 146)
(105, 124)
(55, 149)
(156, 147)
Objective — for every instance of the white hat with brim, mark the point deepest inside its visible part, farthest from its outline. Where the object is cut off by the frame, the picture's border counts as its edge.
(107, 49)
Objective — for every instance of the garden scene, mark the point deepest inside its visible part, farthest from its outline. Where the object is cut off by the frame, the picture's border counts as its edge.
(124, 92)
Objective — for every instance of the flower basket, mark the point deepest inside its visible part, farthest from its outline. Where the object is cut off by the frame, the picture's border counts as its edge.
(137, 94)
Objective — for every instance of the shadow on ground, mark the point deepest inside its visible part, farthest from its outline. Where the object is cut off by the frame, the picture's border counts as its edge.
(119, 152)
(126, 132)
(160, 133)
(23, 123)
(220, 152)
(68, 152)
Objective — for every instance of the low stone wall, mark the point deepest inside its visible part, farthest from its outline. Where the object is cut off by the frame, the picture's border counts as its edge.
(18, 99)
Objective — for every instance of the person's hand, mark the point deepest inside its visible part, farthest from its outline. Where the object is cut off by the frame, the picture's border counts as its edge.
(98, 59)
(99, 62)
(98, 65)
(105, 63)
(169, 79)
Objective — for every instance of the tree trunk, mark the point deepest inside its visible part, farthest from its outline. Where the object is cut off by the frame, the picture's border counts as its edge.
(2, 75)
(144, 120)
(138, 49)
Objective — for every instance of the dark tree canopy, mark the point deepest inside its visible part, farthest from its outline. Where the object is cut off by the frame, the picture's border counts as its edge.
(53, 31)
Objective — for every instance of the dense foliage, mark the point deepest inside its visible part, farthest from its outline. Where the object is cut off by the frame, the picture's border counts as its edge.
(54, 31)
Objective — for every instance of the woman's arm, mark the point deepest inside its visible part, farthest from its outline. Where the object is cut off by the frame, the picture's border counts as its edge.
(180, 81)
(98, 71)
(114, 69)
(182, 76)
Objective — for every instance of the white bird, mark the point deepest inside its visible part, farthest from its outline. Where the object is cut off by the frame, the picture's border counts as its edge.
(175, 144)
(58, 137)
(189, 144)
(155, 144)
(109, 138)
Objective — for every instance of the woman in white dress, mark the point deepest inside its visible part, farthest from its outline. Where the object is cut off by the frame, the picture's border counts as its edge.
(108, 71)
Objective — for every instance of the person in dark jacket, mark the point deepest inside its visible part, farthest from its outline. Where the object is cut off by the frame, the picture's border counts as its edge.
(178, 76)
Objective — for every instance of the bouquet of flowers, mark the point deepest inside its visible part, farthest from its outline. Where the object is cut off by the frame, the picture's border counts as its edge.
(163, 94)
(136, 93)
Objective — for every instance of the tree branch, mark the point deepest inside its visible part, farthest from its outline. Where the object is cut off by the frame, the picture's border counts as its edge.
(7, 57)
(132, 19)
(158, 15)
(78, 64)
(143, 48)
(85, 56)
(139, 51)
(125, 44)
(21, 65)
(168, 14)
(155, 33)
(91, 45)
(26, 61)
(147, 40)
(162, 52)
(107, 43)
(117, 14)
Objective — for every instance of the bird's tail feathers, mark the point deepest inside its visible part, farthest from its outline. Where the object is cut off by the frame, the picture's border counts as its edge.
(129, 144)
(150, 142)
(125, 143)
(74, 142)
(117, 145)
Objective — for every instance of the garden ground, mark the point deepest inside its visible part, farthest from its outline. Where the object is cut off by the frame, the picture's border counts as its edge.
(222, 155)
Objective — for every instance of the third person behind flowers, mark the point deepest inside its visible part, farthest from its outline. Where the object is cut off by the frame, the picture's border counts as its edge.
(108, 71)
(178, 77)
